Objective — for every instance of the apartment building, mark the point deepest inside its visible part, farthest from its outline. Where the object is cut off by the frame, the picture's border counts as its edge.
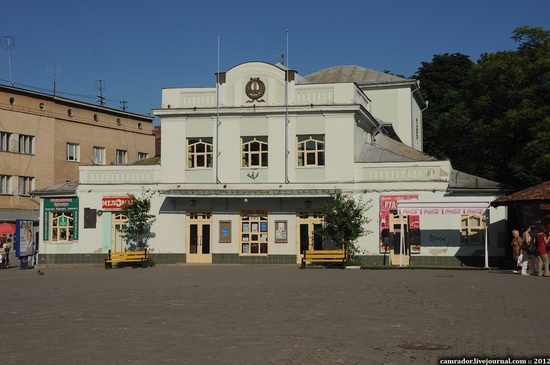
(44, 139)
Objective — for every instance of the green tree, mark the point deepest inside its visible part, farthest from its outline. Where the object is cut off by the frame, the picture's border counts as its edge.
(508, 101)
(443, 85)
(138, 231)
(345, 221)
(491, 118)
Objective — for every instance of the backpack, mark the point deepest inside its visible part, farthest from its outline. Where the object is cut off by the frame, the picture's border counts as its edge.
(532, 248)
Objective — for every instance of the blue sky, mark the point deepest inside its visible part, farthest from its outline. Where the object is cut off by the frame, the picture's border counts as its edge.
(139, 47)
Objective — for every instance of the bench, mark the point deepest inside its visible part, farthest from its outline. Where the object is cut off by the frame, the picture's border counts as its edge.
(126, 257)
(324, 256)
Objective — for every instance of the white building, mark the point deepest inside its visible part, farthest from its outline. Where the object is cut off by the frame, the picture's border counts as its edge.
(247, 166)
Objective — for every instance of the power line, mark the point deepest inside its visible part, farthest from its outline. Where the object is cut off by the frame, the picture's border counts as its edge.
(50, 91)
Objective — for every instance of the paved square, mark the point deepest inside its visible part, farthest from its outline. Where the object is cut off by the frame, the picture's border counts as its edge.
(269, 315)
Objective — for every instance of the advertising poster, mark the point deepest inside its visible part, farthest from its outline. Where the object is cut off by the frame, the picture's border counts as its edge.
(24, 244)
(388, 206)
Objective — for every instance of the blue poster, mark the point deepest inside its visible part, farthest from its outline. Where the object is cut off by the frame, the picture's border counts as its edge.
(263, 226)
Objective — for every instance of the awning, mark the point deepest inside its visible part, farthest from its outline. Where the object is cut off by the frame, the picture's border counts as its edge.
(266, 193)
(418, 207)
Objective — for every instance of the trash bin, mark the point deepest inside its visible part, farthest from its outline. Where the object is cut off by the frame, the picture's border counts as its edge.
(24, 262)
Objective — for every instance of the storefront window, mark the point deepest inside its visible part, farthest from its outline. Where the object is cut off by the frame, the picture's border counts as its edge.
(472, 229)
(62, 227)
(254, 232)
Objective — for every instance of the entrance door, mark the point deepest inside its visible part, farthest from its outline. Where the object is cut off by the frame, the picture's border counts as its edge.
(118, 226)
(397, 257)
(308, 224)
(199, 238)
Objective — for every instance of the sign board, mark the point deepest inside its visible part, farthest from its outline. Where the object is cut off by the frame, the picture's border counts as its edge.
(55, 205)
(441, 208)
(114, 202)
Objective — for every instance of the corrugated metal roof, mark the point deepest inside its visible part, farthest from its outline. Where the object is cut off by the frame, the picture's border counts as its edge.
(65, 188)
(357, 74)
(386, 149)
(462, 180)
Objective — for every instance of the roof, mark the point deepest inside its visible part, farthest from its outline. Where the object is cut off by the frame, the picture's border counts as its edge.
(357, 74)
(462, 180)
(536, 194)
(77, 103)
(147, 161)
(65, 188)
(386, 149)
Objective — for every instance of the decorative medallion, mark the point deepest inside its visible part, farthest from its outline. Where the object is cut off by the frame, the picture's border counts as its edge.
(255, 89)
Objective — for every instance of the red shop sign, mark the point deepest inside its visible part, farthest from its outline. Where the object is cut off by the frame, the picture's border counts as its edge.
(115, 202)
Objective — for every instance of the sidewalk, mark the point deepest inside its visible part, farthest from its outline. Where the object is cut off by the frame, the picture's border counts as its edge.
(269, 315)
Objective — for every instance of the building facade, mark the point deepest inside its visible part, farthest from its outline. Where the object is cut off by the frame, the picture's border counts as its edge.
(396, 102)
(247, 167)
(45, 138)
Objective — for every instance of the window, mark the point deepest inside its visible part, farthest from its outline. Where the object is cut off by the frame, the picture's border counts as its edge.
(72, 152)
(254, 151)
(26, 144)
(5, 141)
(311, 150)
(142, 155)
(472, 229)
(62, 227)
(26, 184)
(99, 156)
(121, 157)
(199, 152)
(254, 232)
(5, 184)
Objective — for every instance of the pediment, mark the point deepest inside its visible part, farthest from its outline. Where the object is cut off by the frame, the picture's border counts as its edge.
(254, 83)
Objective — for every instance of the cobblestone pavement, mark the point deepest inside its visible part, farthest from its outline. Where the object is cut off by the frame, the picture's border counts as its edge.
(269, 315)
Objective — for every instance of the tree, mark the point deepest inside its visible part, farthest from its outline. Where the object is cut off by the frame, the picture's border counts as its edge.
(443, 85)
(345, 221)
(138, 232)
(491, 118)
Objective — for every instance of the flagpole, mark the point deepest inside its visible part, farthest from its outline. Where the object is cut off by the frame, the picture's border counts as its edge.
(286, 113)
(218, 112)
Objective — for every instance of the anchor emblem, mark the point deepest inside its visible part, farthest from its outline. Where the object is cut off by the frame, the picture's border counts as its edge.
(255, 89)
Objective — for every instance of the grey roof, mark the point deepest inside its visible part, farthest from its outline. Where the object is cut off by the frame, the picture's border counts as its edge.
(65, 188)
(147, 161)
(386, 149)
(462, 180)
(357, 74)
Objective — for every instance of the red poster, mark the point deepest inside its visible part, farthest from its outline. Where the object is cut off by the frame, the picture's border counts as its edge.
(387, 204)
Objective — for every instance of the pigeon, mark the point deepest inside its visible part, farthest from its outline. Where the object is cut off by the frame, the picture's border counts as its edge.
(40, 272)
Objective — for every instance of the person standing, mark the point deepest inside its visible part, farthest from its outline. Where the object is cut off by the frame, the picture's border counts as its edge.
(528, 258)
(542, 254)
(516, 249)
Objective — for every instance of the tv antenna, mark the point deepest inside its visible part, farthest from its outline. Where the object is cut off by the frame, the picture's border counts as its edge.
(100, 86)
(124, 104)
(8, 42)
(55, 71)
